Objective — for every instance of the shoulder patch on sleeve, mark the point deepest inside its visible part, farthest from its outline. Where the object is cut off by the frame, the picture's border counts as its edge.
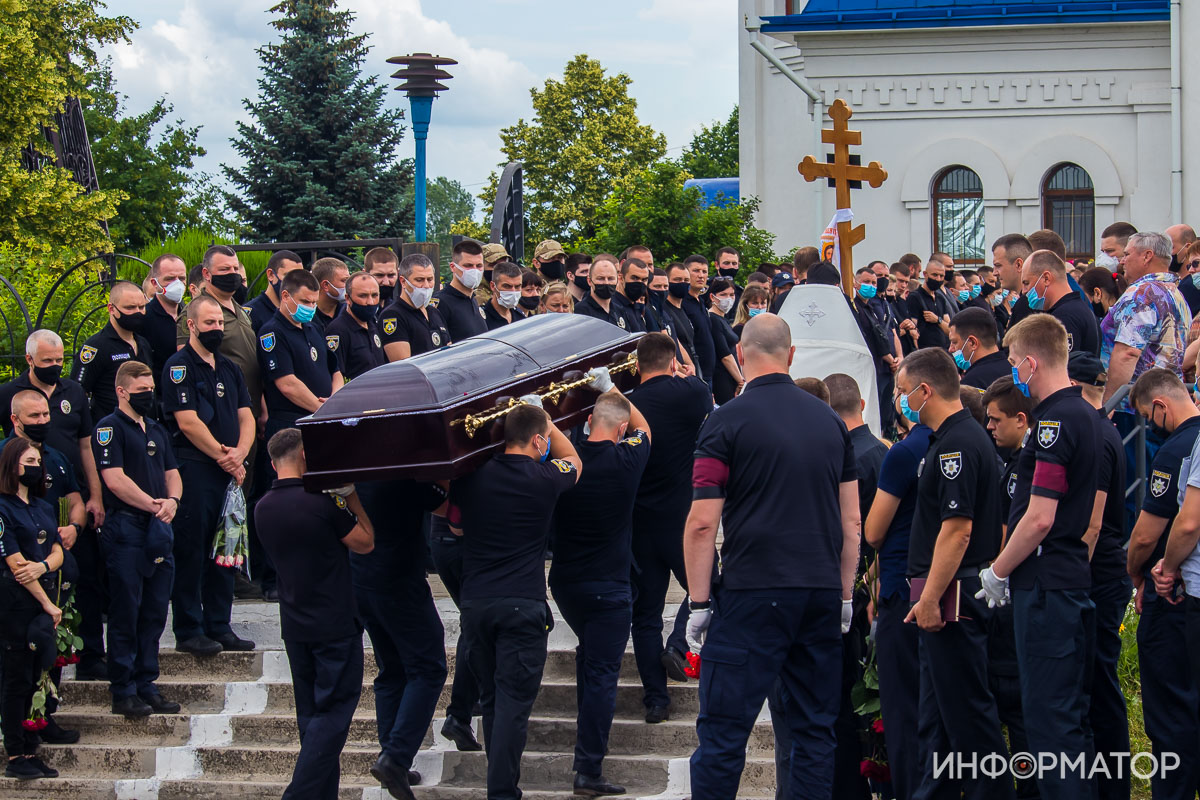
(333, 341)
(104, 436)
(178, 374)
(1047, 433)
(87, 354)
(433, 302)
(1159, 482)
(563, 466)
(634, 441)
(389, 326)
(267, 340)
(951, 464)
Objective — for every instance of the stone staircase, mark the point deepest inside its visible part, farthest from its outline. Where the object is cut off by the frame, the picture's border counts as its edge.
(236, 737)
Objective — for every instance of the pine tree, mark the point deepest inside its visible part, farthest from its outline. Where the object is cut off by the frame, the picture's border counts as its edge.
(320, 158)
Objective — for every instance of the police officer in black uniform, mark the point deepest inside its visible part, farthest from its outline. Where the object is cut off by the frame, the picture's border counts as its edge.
(117, 342)
(600, 301)
(1047, 288)
(633, 293)
(299, 371)
(789, 559)
(353, 336)
(1044, 563)
(411, 324)
(593, 527)
(973, 345)
(213, 430)
(165, 287)
(456, 301)
(141, 494)
(502, 309)
(263, 307)
(503, 510)
(307, 537)
(956, 530)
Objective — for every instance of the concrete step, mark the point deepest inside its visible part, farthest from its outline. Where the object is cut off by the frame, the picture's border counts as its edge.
(196, 696)
(554, 770)
(104, 759)
(670, 739)
(97, 724)
(67, 788)
(280, 730)
(224, 667)
(204, 789)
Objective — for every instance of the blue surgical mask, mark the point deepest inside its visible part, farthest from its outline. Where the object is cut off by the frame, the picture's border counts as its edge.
(754, 312)
(1022, 386)
(913, 415)
(962, 361)
(304, 314)
(867, 291)
(546, 455)
(1036, 301)
(975, 290)
(964, 295)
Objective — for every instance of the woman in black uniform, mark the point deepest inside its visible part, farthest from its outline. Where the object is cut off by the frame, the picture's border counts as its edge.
(727, 380)
(32, 553)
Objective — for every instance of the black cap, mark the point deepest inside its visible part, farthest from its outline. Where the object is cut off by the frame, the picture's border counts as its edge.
(825, 273)
(160, 539)
(1085, 368)
(41, 640)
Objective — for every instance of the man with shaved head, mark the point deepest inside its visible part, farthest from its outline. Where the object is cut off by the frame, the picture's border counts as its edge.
(787, 499)
(1181, 236)
(119, 341)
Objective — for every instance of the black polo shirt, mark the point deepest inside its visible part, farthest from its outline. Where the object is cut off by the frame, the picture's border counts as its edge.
(781, 483)
(931, 333)
(260, 309)
(679, 325)
(1008, 485)
(589, 307)
(302, 534)
(463, 316)
(724, 341)
(60, 475)
(216, 395)
(159, 331)
(593, 522)
(504, 509)
(957, 478)
(70, 417)
(401, 322)
(284, 349)
(144, 456)
(358, 349)
(397, 510)
(1163, 485)
(494, 320)
(702, 338)
(984, 371)
(1058, 461)
(30, 529)
(868, 460)
(635, 322)
(1083, 333)
(1108, 559)
(322, 320)
(674, 408)
(97, 363)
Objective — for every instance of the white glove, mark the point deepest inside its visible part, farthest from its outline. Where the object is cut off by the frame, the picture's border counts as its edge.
(847, 615)
(341, 491)
(531, 400)
(601, 379)
(995, 589)
(697, 628)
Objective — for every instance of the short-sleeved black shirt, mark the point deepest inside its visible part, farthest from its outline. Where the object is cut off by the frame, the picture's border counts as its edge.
(781, 483)
(868, 459)
(145, 456)
(958, 478)
(159, 331)
(60, 475)
(358, 349)
(190, 384)
(30, 529)
(322, 320)
(463, 316)
(680, 327)
(1108, 559)
(302, 533)
(285, 349)
(593, 522)
(1163, 483)
(931, 333)
(1083, 332)
(984, 371)
(494, 320)
(401, 322)
(97, 363)
(635, 322)
(674, 409)
(397, 511)
(614, 316)
(1008, 485)
(1058, 461)
(505, 508)
(725, 341)
(70, 417)
(702, 338)
(260, 310)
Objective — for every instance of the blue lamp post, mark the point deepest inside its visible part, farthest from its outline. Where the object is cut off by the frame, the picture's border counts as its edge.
(421, 76)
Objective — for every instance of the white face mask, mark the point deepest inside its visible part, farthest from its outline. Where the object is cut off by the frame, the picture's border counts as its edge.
(174, 291)
(420, 297)
(1107, 261)
(724, 304)
(470, 278)
(508, 299)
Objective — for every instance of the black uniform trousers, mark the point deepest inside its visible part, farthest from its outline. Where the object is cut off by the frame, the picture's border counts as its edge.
(1056, 642)
(896, 655)
(657, 554)
(1005, 683)
(957, 713)
(327, 681)
(757, 637)
(446, 549)
(261, 568)
(1108, 720)
(885, 379)
(599, 613)
(202, 597)
(137, 611)
(1170, 700)
(91, 595)
(18, 678)
(409, 641)
(507, 640)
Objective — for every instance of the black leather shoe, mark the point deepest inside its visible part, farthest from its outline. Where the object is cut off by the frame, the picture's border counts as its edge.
(96, 671)
(22, 770)
(674, 663)
(393, 778)
(414, 778)
(199, 646)
(54, 733)
(37, 763)
(271, 595)
(657, 714)
(231, 641)
(160, 706)
(586, 786)
(132, 707)
(461, 735)
(244, 589)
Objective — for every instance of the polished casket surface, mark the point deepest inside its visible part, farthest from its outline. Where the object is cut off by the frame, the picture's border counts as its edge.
(419, 417)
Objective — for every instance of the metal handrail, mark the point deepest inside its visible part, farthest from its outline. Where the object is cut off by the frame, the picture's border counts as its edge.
(1138, 486)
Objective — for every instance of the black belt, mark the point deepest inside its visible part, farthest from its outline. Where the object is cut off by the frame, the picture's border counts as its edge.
(962, 574)
(138, 516)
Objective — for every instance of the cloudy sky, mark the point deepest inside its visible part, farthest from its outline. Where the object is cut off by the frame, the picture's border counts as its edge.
(200, 55)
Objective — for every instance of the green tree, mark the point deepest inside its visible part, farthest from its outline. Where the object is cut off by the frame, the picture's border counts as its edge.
(713, 152)
(446, 202)
(583, 137)
(653, 208)
(320, 153)
(151, 167)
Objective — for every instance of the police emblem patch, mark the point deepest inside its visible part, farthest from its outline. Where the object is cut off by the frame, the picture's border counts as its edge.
(437, 338)
(621, 323)
(920, 467)
(563, 466)
(104, 435)
(1070, 342)
(951, 464)
(433, 302)
(333, 342)
(41, 537)
(151, 447)
(87, 354)
(65, 405)
(220, 390)
(312, 353)
(1159, 482)
(389, 326)
(1012, 484)
(267, 340)
(378, 343)
(178, 374)
(339, 501)
(481, 314)
(1047, 433)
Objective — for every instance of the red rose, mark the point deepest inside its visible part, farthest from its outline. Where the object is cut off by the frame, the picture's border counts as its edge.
(30, 725)
(60, 662)
(73, 658)
(693, 668)
(865, 767)
(877, 725)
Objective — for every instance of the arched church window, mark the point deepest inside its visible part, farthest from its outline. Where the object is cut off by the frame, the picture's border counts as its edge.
(1069, 209)
(958, 215)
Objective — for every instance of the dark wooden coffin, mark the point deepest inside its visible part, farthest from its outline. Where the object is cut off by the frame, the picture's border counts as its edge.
(440, 414)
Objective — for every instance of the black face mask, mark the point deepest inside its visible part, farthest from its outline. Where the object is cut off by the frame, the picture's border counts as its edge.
(679, 290)
(32, 477)
(487, 277)
(882, 286)
(581, 282)
(131, 322)
(239, 294)
(635, 292)
(1175, 265)
(1098, 310)
(48, 374)
(604, 291)
(211, 340)
(229, 282)
(142, 403)
(727, 273)
(36, 431)
(364, 313)
(529, 303)
(933, 285)
(385, 293)
(553, 270)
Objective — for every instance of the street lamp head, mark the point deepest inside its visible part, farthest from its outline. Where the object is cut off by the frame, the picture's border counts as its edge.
(421, 74)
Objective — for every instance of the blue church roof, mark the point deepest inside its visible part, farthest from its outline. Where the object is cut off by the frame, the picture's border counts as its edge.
(852, 15)
(717, 191)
